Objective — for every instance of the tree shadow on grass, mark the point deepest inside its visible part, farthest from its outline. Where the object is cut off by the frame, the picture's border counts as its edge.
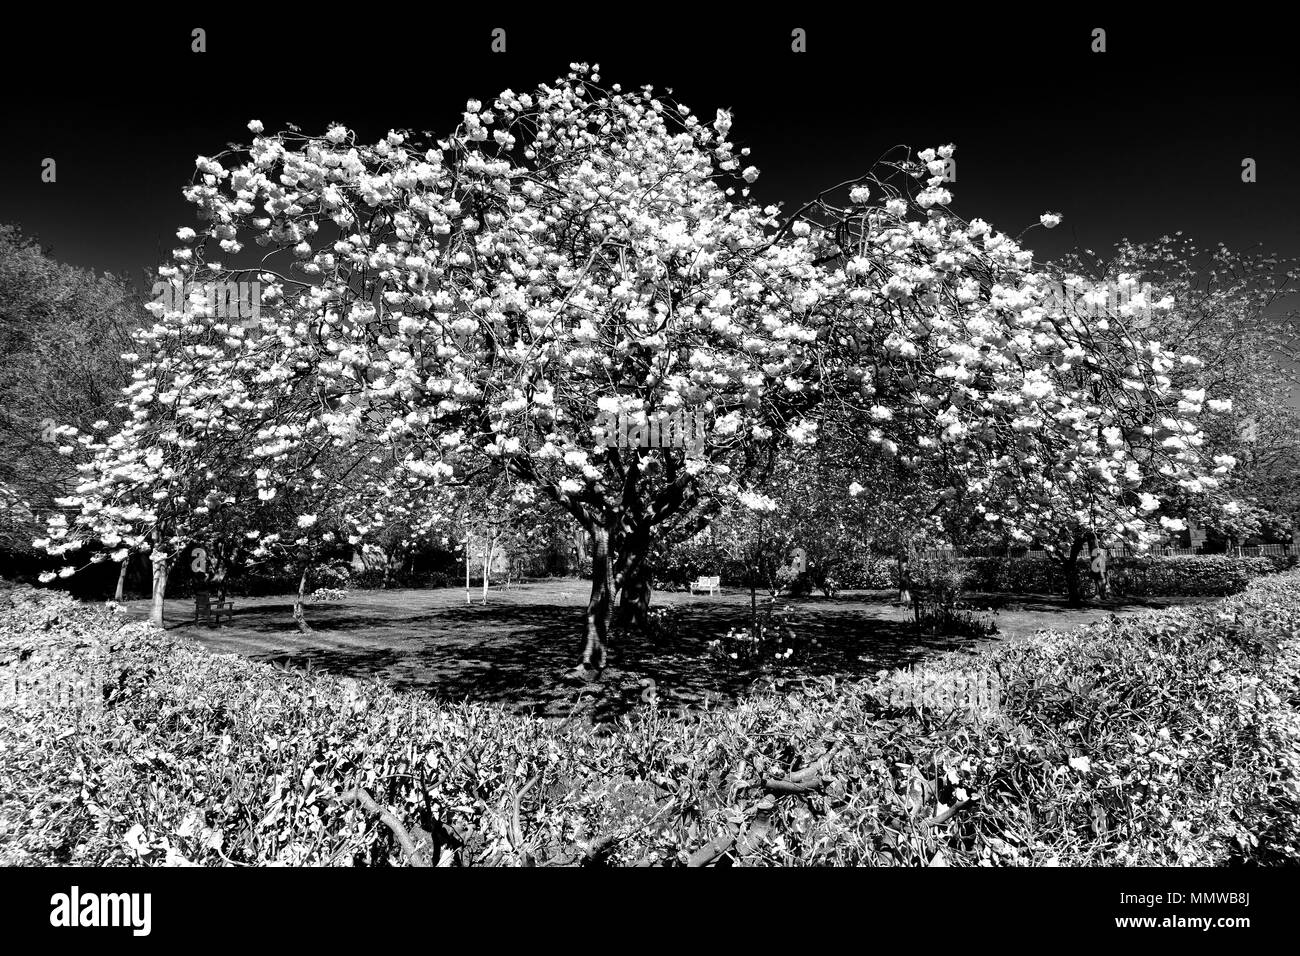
(1060, 604)
(523, 656)
(519, 650)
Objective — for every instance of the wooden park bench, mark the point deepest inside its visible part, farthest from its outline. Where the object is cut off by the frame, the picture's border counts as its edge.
(711, 584)
(208, 610)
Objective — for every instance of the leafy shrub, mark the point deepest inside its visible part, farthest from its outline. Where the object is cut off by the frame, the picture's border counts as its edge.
(336, 574)
(801, 584)
(372, 579)
(957, 620)
(1019, 575)
(676, 568)
(873, 574)
(937, 586)
(853, 573)
(258, 582)
(663, 623)
(1189, 574)
(770, 637)
(683, 563)
(1169, 737)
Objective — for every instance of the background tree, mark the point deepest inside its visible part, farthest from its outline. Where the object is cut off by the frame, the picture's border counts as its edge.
(1233, 313)
(63, 335)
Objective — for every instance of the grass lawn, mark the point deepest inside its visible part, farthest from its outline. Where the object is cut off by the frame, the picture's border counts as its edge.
(520, 648)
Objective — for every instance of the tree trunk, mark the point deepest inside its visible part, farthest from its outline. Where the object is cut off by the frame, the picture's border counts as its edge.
(1073, 583)
(120, 590)
(601, 605)
(632, 586)
(1099, 577)
(487, 566)
(634, 596)
(467, 597)
(160, 561)
(298, 617)
(392, 559)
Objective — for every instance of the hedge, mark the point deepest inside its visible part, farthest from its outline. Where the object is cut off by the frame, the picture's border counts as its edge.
(1159, 576)
(1155, 576)
(1163, 738)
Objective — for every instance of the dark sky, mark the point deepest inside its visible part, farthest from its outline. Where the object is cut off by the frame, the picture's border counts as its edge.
(1144, 139)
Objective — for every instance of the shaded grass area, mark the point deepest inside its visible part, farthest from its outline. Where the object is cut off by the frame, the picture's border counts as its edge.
(520, 648)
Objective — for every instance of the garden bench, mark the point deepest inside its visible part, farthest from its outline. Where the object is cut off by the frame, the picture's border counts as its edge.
(711, 584)
(208, 610)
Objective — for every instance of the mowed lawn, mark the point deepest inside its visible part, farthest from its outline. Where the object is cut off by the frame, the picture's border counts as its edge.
(521, 647)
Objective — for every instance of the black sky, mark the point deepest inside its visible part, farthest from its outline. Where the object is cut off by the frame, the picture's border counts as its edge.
(1142, 140)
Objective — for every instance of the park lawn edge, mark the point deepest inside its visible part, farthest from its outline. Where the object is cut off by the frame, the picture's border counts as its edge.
(1168, 737)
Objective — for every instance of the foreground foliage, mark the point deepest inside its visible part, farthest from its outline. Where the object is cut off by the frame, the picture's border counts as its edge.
(1171, 737)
